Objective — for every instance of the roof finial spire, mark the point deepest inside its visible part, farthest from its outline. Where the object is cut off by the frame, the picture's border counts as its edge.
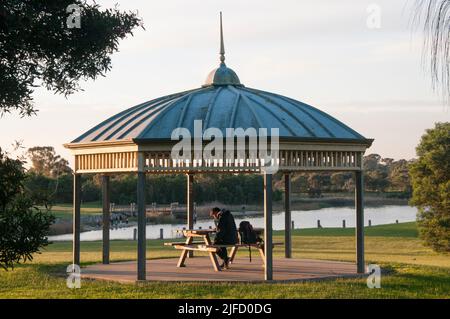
(222, 46)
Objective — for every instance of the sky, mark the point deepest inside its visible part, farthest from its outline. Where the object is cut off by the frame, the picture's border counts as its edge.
(359, 63)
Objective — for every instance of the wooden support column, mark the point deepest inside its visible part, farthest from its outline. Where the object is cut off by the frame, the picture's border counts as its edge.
(76, 218)
(359, 204)
(268, 264)
(190, 205)
(287, 217)
(141, 226)
(142, 217)
(106, 217)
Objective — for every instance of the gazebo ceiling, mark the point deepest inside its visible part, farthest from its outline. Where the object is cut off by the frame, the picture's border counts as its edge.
(221, 106)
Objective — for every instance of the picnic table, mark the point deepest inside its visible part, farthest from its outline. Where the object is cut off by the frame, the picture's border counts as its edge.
(204, 244)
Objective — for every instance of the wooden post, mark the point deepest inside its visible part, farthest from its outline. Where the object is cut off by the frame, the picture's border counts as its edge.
(268, 270)
(190, 205)
(370, 223)
(359, 204)
(293, 226)
(287, 217)
(318, 224)
(106, 217)
(76, 218)
(161, 233)
(141, 226)
(343, 223)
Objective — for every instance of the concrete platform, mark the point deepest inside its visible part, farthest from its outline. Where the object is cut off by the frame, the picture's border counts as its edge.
(200, 269)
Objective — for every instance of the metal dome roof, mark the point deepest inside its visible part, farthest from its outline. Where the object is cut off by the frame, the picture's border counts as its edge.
(220, 106)
(223, 102)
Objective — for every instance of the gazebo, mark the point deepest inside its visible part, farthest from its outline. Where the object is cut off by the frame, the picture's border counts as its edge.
(140, 140)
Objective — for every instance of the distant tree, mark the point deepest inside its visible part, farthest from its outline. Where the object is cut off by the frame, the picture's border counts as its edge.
(430, 175)
(376, 180)
(64, 191)
(123, 189)
(340, 180)
(299, 183)
(399, 176)
(253, 189)
(45, 161)
(41, 189)
(371, 162)
(277, 195)
(349, 185)
(42, 44)
(23, 226)
(90, 192)
(376, 173)
(314, 181)
(387, 161)
(337, 181)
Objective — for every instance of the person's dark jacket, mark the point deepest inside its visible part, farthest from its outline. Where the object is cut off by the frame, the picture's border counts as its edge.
(226, 229)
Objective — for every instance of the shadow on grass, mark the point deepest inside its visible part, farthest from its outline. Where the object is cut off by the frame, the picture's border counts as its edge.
(55, 270)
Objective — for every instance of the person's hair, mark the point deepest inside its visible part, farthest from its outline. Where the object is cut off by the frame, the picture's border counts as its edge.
(216, 209)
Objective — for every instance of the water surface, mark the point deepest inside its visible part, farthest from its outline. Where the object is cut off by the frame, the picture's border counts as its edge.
(329, 217)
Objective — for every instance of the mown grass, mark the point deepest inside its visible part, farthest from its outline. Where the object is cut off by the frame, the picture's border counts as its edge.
(43, 281)
(64, 211)
(413, 271)
(392, 230)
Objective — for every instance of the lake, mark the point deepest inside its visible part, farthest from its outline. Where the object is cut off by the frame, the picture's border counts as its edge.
(329, 217)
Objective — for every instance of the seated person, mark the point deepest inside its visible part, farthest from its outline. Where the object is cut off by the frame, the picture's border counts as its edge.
(226, 233)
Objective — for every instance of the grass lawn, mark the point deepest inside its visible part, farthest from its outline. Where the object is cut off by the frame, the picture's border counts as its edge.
(65, 211)
(413, 271)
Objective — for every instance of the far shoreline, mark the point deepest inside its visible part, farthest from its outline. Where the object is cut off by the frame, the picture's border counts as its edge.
(63, 224)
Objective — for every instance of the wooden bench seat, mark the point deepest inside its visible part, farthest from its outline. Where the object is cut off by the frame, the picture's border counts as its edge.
(204, 248)
(200, 245)
(214, 248)
(244, 245)
(177, 243)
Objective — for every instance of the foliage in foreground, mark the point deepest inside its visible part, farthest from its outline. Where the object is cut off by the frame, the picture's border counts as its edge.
(430, 176)
(23, 227)
(41, 44)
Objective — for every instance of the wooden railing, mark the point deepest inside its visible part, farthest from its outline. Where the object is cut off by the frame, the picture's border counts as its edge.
(106, 162)
(161, 162)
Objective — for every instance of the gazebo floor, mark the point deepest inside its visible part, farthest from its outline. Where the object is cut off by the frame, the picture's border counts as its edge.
(200, 269)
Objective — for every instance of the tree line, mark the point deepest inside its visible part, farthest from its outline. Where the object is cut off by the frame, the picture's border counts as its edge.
(49, 180)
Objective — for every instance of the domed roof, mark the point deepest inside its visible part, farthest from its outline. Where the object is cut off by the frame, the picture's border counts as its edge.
(220, 106)
(222, 102)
